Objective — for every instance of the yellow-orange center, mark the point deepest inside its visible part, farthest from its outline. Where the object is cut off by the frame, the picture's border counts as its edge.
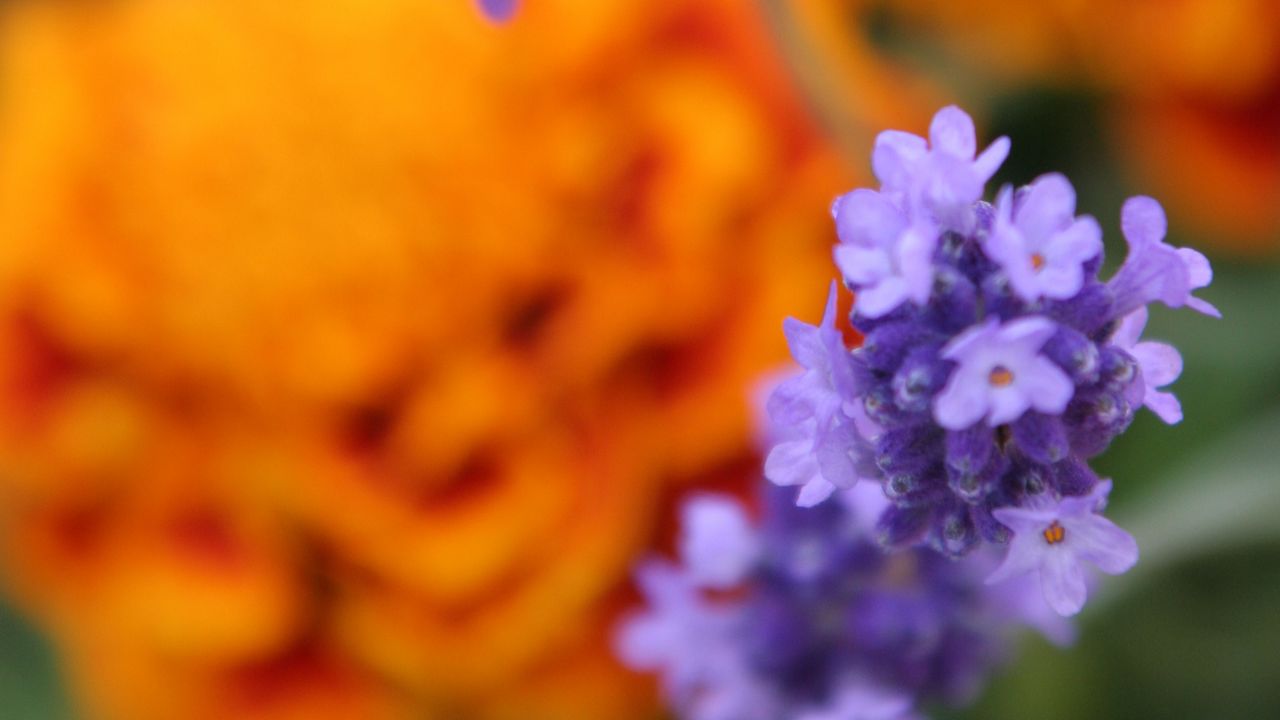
(1054, 534)
(1037, 261)
(1000, 376)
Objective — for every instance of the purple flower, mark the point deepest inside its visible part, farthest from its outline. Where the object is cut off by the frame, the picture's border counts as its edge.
(1159, 363)
(858, 701)
(1000, 374)
(820, 447)
(1055, 538)
(499, 10)
(1154, 271)
(1040, 243)
(885, 257)
(717, 543)
(680, 633)
(939, 180)
(822, 625)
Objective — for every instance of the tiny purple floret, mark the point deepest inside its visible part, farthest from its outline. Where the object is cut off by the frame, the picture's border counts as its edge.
(717, 542)
(1159, 363)
(1153, 270)
(1055, 540)
(499, 10)
(1000, 374)
(820, 444)
(941, 178)
(886, 258)
(1039, 242)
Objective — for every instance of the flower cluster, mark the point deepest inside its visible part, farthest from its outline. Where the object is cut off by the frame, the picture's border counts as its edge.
(804, 616)
(995, 361)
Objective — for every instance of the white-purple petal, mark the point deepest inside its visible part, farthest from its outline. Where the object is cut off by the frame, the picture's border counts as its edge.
(987, 163)
(717, 542)
(1062, 580)
(1101, 542)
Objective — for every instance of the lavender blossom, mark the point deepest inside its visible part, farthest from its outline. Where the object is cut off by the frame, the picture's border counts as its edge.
(1000, 374)
(940, 179)
(1055, 538)
(1159, 363)
(823, 449)
(1153, 270)
(824, 624)
(995, 362)
(1038, 241)
(499, 10)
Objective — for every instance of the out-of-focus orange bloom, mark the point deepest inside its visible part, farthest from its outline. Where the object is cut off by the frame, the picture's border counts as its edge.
(1193, 88)
(349, 347)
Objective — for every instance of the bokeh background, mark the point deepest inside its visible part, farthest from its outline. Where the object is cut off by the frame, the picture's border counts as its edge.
(352, 350)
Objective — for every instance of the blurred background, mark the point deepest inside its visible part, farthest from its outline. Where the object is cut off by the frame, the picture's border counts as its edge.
(352, 350)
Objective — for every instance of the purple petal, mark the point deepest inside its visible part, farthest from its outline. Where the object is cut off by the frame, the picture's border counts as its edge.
(1047, 207)
(895, 156)
(1130, 329)
(883, 298)
(868, 218)
(814, 492)
(1081, 241)
(1048, 386)
(804, 342)
(962, 402)
(990, 160)
(791, 463)
(974, 337)
(717, 544)
(1161, 364)
(1029, 333)
(1007, 404)
(1103, 543)
(952, 132)
(499, 10)
(1142, 221)
(1020, 559)
(915, 260)
(863, 265)
(1062, 581)
(1164, 404)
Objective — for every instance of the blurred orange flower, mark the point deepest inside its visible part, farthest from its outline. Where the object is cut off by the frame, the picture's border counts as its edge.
(349, 347)
(1202, 76)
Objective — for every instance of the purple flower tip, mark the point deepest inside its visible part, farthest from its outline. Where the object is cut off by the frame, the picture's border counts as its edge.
(1153, 270)
(499, 10)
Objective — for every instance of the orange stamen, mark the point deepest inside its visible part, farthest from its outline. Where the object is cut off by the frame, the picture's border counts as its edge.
(1000, 376)
(1055, 533)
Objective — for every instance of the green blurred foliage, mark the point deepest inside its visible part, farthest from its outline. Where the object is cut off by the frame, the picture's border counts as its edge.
(29, 685)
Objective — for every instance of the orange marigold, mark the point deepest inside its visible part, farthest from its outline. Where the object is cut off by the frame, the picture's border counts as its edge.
(348, 347)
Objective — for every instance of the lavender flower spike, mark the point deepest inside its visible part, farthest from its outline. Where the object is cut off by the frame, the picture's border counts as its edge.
(1001, 374)
(1040, 243)
(1159, 363)
(1153, 270)
(942, 179)
(1056, 538)
(995, 362)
